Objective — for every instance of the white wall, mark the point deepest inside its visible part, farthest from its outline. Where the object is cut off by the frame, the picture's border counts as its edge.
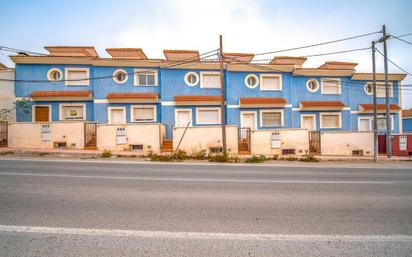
(297, 139)
(149, 135)
(28, 134)
(202, 137)
(7, 97)
(343, 143)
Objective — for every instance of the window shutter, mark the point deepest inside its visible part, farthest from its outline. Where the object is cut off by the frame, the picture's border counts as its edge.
(330, 121)
(330, 86)
(271, 119)
(270, 83)
(209, 117)
(211, 80)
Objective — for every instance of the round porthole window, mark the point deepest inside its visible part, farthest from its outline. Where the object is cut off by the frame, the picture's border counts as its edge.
(191, 79)
(120, 76)
(251, 81)
(55, 74)
(368, 89)
(312, 85)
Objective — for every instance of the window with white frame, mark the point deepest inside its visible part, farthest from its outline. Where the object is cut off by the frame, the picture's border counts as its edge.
(72, 112)
(77, 76)
(143, 113)
(380, 90)
(312, 85)
(330, 86)
(251, 81)
(191, 79)
(308, 121)
(117, 115)
(210, 80)
(381, 122)
(270, 82)
(144, 77)
(271, 118)
(364, 124)
(208, 116)
(54, 74)
(120, 76)
(330, 120)
(183, 117)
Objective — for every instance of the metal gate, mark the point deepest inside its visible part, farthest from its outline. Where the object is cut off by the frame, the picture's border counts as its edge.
(90, 135)
(3, 133)
(314, 142)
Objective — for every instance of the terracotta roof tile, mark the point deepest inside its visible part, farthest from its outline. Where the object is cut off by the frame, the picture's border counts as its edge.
(322, 104)
(197, 98)
(338, 66)
(262, 100)
(379, 107)
(134, 53)
(179, 55)
(407, 113)
(288, 60)
(238, 57)
(152, 96)
(72, 50)
(61, 93)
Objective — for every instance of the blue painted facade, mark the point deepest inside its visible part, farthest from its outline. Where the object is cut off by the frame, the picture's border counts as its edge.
(407, 125)
(171, 83)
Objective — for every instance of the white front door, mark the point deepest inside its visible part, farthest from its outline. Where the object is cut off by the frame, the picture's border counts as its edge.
(308, 122)
(248, 120)
(117, 116)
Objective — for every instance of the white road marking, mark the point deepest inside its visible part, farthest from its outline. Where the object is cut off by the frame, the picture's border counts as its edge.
(327, 164)
(199, 235)
(199, 179)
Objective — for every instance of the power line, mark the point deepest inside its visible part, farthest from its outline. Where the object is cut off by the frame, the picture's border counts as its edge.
(404, 35)
(19, 51)
(276, 70)
(400, 39)
(319, 44)
(169, 65)
(399, 67)
(323, 54)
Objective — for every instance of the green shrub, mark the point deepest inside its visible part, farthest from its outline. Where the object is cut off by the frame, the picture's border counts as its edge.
(158, 157)
(290, 158)
(256, 159)
(308, 158)
(107, 154)
(275, 157)
(2, 153)
(200, 155)
(179, 155)
(218, 158)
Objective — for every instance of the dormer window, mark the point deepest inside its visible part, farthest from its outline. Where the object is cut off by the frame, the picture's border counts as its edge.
(120, 76)
(54, 74)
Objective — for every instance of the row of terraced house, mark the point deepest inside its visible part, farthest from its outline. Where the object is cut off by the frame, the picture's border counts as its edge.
(74, 98)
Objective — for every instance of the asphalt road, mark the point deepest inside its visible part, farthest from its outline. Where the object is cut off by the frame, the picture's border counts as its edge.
(68, 208)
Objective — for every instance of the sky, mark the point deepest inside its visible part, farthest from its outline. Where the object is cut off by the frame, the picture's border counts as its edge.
(252, 26)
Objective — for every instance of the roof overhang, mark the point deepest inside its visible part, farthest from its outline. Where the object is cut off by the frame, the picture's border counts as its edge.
(296, 61)
(321, 106)
(132, 98)
(338, 66)
(61, 95)
(259, 67)
(238, 57)
(379, 76)
(381, 108)
(257, 102)
(322, 72)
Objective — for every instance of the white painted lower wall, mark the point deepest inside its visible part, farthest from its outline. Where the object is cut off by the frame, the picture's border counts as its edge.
(148, 135)
(343, 143)
(28, 134)
(261, 141)
(203, 137)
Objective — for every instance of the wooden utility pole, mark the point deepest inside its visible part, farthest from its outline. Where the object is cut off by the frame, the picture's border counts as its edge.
(222, 95)
(388, 111)
(375, 115)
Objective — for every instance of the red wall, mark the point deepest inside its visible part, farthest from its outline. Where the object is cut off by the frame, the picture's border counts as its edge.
(395, 146)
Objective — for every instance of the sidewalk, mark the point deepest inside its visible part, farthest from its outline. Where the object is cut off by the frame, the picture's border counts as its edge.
(83, 154)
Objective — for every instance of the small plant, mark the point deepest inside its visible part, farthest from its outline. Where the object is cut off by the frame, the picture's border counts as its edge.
(290, 158)
(308, 158)
(218, 158)
(3, 153)
(43, 154)
(179, 155)
(158, 157)
(107, 154)
(275, 157)
(256, 159)
(200, 155)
